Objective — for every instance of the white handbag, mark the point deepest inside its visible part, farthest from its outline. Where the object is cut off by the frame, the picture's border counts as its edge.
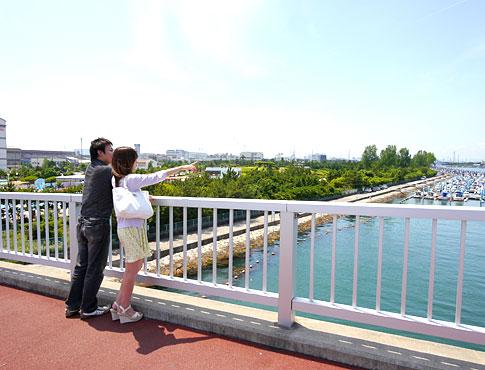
(131, 204)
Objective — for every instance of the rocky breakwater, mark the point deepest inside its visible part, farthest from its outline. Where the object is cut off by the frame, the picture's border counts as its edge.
(257, 236)
(223, 250)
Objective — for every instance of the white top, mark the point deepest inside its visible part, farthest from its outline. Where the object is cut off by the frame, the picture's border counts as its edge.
(134, 182)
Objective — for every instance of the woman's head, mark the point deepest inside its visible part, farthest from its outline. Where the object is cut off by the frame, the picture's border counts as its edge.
(124, 159)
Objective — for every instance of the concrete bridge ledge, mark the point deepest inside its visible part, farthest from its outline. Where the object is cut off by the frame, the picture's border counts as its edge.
(339, 343)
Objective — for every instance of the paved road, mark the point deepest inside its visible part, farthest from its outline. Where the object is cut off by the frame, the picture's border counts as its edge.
(35, 335)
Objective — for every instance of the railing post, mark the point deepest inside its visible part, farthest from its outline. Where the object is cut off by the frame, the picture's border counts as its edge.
(287, 276)
(73, 213)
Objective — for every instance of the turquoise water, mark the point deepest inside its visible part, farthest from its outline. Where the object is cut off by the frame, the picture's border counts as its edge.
(446, 272)
(447, 253)
(447, 257)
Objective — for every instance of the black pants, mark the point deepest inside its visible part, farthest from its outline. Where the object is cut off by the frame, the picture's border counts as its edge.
(93, 245)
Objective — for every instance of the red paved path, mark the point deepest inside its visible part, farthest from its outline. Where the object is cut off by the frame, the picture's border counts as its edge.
(35, 335)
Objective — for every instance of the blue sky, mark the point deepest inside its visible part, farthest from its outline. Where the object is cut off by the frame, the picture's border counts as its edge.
(226, 76)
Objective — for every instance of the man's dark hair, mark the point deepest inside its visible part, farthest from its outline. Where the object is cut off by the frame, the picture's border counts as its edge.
(98, 144)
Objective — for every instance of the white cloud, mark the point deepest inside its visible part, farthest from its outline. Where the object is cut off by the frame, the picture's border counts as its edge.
(151, 50)
(211, 32)
(216, 28)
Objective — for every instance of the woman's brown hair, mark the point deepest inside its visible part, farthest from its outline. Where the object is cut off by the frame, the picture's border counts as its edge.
(124, 158)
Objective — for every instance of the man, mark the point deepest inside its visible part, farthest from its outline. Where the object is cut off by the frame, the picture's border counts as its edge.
(93, 234)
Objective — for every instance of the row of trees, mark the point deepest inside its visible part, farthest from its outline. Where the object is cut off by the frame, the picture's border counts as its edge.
(280, 180)
(276, 180)
(310, 181)
(292, 182)
(391, 157)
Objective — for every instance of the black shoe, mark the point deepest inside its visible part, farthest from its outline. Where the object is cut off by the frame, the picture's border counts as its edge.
(71, 312)
(101, 310)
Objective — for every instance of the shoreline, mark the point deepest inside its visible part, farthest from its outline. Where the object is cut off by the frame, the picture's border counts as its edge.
(257, 236)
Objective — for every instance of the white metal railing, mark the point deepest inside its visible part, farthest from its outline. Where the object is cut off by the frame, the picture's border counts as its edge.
(23, 239)
(401, 321)
(25, 231)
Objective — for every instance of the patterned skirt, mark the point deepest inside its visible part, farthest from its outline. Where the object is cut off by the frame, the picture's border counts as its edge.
(134, 242)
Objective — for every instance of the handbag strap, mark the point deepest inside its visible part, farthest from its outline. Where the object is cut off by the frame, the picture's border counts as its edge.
(113, 182)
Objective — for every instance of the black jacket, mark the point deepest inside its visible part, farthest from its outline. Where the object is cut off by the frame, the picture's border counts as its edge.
(97, 193)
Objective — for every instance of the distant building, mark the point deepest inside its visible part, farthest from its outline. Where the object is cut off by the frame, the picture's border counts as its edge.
(39, 162)
(137, 148)
(196, 156)
(155, 157)
(177, 155)
(252, 156)
(219, 172)
(279, 157)
(82, 153)
(77, 160)
(222, 157)
(318, 157)
(3, 144)
(144, 164)
(70, 180)
(14, 157)
(28, 156)
(183, 155)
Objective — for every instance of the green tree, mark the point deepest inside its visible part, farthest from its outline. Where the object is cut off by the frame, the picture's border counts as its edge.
(353, 179)
(369, 157)
(404, 158)
(230, 175)
(388, 157)
(423, 159)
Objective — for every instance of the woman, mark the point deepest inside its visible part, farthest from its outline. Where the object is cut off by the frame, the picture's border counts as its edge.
(132, 232)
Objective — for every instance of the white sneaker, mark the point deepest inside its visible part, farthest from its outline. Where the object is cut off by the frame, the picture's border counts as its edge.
(101, 310)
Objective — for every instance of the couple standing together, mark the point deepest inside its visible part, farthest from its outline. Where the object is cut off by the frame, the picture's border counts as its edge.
(93, 231)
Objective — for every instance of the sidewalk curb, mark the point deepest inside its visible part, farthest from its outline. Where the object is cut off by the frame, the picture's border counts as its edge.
(302, 340)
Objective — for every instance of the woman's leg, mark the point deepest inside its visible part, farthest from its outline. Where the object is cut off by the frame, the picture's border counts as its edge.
(129, 278)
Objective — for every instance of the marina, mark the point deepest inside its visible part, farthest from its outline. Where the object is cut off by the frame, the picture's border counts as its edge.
(460, 186)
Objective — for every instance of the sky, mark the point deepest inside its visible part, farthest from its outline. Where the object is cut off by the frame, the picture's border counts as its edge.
(275, 76)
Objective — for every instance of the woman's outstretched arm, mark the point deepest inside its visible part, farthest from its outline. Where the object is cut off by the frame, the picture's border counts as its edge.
(136, 181)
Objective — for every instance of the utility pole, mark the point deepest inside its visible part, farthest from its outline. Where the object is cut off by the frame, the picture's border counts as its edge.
(81, 152)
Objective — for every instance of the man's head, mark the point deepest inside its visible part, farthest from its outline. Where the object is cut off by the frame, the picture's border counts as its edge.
(101, 149)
